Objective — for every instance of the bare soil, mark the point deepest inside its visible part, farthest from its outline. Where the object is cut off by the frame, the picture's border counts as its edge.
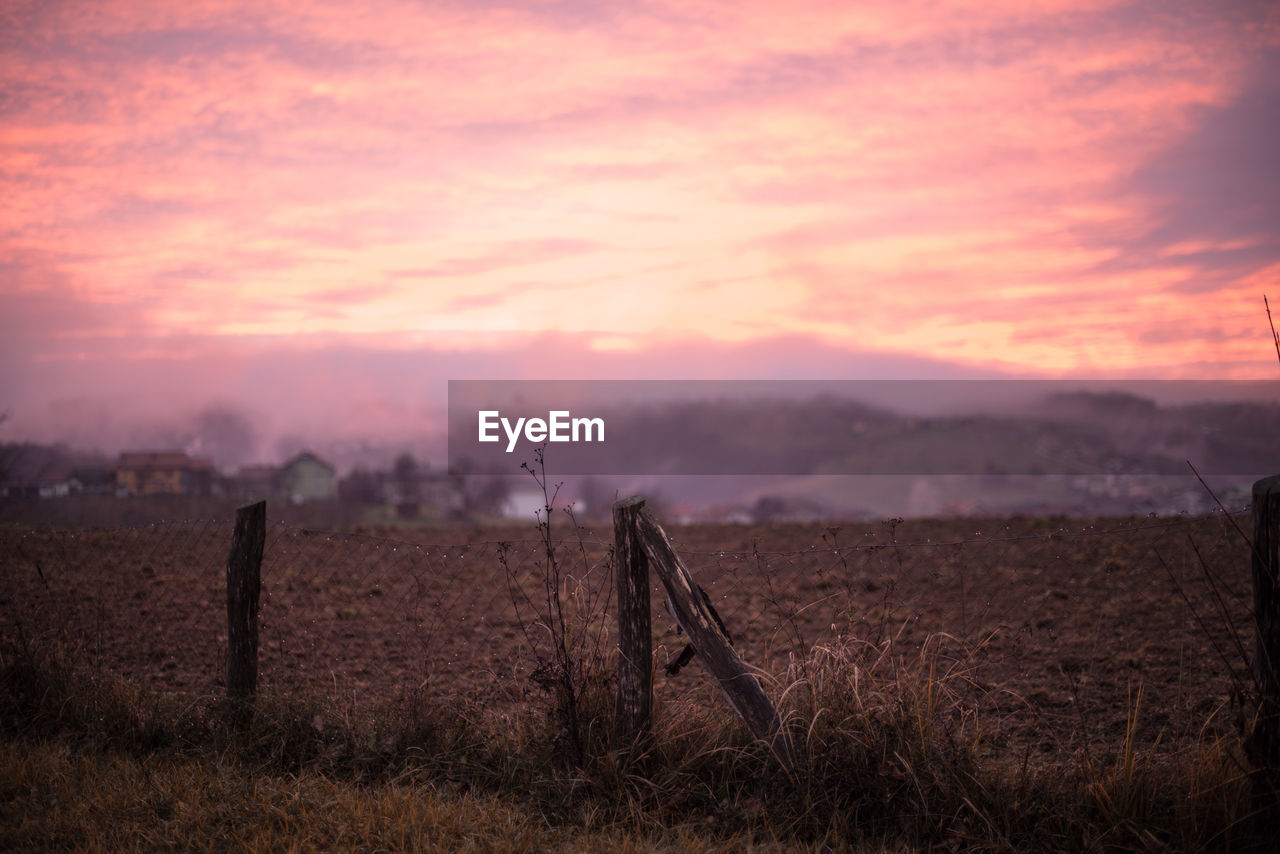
(1047, 629)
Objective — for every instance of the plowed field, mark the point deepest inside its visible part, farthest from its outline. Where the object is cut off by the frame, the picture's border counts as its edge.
(1046, 628)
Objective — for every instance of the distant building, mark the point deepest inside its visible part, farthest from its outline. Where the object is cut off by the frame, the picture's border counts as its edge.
(525, 503)
(92, 481)
(163, 473)
(55, 485)
(409, 494)
(257, 482)
(306, 477)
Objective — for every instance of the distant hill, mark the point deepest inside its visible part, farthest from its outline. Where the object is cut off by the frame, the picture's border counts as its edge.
(1069, 434)
(1233, 437)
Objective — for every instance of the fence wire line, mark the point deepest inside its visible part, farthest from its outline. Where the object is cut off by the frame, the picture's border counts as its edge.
(1059, 533)
(1056, 612)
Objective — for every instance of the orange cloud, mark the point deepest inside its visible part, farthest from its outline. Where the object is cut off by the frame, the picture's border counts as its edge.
(979, 182)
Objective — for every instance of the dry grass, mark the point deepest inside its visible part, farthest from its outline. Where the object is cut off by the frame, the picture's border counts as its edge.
(892, 757)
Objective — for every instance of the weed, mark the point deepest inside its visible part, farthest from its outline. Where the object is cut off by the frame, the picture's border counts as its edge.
(563, 624)
(890, 755)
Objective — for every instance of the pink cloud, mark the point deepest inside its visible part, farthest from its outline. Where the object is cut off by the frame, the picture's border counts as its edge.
(949, 182)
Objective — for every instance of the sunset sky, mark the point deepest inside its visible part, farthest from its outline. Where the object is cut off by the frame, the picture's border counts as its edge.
(318, 214)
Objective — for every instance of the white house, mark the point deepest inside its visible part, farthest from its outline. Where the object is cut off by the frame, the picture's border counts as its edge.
(306, 477)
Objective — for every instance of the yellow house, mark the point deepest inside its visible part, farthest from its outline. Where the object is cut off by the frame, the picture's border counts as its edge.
(163, 473)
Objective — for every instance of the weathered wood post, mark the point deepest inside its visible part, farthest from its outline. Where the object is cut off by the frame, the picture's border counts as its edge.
(635, 638)
(1263, 747)
(244, 567)
(741, 688)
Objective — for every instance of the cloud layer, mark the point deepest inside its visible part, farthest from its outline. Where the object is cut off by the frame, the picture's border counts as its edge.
(1066, 188)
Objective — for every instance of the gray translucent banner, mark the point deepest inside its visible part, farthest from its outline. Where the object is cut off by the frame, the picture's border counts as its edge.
(865, 427)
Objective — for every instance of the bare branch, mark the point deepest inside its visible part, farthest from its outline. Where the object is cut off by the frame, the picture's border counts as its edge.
(1274, 336)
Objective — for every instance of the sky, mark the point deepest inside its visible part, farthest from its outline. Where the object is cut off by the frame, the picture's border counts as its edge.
(314, 214)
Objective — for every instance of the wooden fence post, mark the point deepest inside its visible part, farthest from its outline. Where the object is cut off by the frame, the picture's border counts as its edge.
(1263, 747)
(244, 567)
(740, 687)
(635, 638)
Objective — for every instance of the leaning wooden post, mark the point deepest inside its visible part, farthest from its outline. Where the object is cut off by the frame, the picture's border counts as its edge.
(244, 567)
(741, 688)
(635, 637)
(1263, 745)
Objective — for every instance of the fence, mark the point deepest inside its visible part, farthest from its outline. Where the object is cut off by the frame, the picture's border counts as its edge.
(1052, 623)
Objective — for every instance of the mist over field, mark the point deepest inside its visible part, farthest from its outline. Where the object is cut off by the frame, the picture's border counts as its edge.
(768, 450)
(325, 390)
